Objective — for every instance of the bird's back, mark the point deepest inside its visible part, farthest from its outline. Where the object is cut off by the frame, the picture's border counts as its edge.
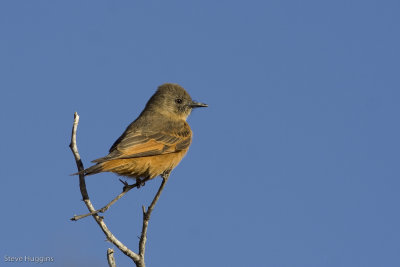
(149, 146)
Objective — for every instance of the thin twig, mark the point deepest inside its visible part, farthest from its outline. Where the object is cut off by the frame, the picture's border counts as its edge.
(139, 261)
(146, 215)
(110, 258)
(79, 164)
(125, 190)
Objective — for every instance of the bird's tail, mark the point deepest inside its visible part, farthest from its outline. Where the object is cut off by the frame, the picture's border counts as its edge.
(91, 170)
(106, 166)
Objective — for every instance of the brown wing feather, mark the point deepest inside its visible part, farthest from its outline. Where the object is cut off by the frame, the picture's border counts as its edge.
(133, 145)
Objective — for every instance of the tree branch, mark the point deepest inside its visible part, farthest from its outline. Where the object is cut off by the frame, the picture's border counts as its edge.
(125, 190)
(138, 259)
(146, 215)
(110, 258)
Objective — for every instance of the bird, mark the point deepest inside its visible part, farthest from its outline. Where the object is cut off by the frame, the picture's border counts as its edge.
(156, 141)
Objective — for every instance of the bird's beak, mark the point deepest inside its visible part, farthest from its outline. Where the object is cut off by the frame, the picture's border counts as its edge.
(195, 104)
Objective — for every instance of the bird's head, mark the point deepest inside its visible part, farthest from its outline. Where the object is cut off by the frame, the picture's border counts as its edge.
(172, 100)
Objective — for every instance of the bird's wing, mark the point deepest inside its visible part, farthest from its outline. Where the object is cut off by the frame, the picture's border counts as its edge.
(138, 144)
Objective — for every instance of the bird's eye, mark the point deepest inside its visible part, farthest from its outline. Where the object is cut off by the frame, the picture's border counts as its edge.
(178, 101)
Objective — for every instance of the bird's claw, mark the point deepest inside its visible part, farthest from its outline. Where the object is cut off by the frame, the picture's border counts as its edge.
(140, 182)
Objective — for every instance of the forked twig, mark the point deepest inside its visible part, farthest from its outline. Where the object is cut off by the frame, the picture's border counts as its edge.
(137, 258)
(125, 190)
(82, 185)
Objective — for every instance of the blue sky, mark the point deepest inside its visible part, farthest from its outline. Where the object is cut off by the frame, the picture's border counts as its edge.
(294, 163)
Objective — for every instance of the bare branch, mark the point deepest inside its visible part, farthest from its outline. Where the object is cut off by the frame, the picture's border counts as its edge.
(139, 261)
(125, 190)
(79, 164)
(110, 258)
(146, 215)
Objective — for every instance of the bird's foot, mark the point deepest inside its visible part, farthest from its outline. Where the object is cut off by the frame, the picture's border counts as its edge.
(140, 182)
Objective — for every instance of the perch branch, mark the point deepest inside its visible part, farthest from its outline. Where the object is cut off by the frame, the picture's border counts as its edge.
(125, 190)
(146, 215)
(139, 260)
